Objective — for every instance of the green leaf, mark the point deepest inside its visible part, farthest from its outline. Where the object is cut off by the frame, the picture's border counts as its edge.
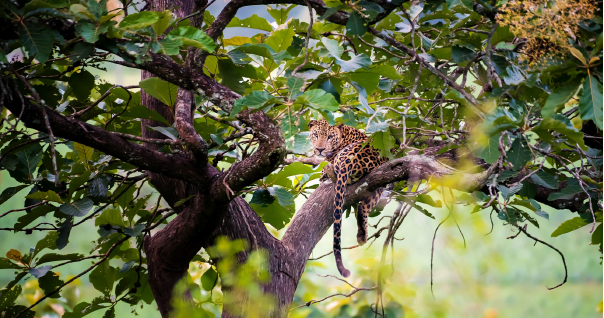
(103, 277)
(254, 100)
(91, 31)
(82, 84)
(356, 25)
(231, 75)
(569, 226)
(254, 22)
(140, 111)
(83, 309)
(280, 40)
(29, 158)
(110, 313)
(553, 123)
(596, 237)
(37, 40)
(568, 192)
(8, 297)
(275, 214)
(301, 144)
(49, 282)
(166, 131)
(47, 242)
(506, 192)
(53, 257)
(79, 207)
(501, 34)
(384, 142)
(489, 152)
(294, 169)
(590, 101)
(110, 216)
(138, 20)
(169, 46)
(48, 195)
(135, 230)
(64, 232)
(520, 153)
(283, 196)
(163, 21)
(319, 100)
(6, 263)
(160, 89)
(209, 279)
(334, 48)
(77, 182)
(294, 87)
(558, 98)
(97, 9)
(461, 54)
(545, 179)
(84, 152)
(10, 192)
(192, 36)
(386, 71)
(357, 62)
(35, 213)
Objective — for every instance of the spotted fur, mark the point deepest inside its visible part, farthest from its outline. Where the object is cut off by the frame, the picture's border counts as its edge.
(342, 146)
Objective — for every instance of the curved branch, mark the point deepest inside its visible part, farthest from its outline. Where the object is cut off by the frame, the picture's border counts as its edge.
(107, 142)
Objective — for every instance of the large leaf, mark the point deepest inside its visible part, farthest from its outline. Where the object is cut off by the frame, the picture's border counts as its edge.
(139, 20)
(254, 100)
(8, 297)
(143, 112)
(47, 195)
(10, 192)
(489, 151)
(37, 40)
(103, 277)
(49, 282)
(590, 101)
(384, 142)
(319, 100)
(569, 226)
(357, 62)
(280, 40)
(254, 22)
(356, 25)
(520, 153)
(334, 48)
(79, 207)
(192, 36)
(91, 31)
(160, 89)
(82, 84)
(558, 98)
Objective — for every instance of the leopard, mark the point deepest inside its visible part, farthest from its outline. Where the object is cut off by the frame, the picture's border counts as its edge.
(351, 158)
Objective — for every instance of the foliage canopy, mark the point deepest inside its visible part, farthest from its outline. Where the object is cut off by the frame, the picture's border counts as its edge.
(499, 87)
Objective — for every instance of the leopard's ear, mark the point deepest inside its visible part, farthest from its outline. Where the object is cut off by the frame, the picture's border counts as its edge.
(340, 126)
(312, 123)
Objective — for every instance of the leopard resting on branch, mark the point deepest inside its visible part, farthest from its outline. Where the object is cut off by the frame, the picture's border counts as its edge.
(344, 148)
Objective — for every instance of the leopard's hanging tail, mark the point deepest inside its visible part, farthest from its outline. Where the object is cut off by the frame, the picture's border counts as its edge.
(337, 219)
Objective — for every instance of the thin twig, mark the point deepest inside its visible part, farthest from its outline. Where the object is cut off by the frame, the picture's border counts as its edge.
(523, 230)
(105, 257)
(307, 40)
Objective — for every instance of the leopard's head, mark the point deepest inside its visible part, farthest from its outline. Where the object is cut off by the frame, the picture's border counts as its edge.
(325, 139)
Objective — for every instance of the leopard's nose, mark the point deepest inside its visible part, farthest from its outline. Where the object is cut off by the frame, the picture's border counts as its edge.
(320, 150)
